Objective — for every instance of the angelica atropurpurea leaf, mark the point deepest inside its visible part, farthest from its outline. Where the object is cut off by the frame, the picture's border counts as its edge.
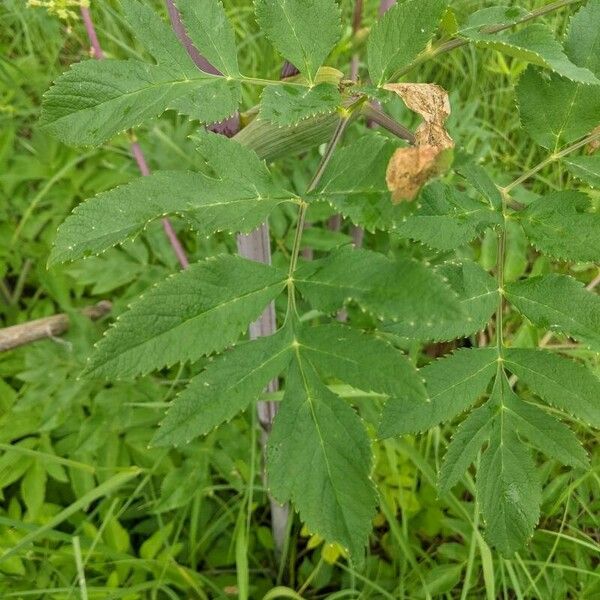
(477, 293)
(453, 384)
(193, 313)
(509, 490)
(555, 110)
(446, 218)
(549, 435)
(156, 37)
(561, 225)
(319, 457)
(316, 436)
(397, 289)
(400, 35)
(534, 43)
(362, 360)
(559, 381)
(462, 451)
(228, 384)
(211, 33)
(508, 486)
(240, 195)
(302, 32)
(354, 183)
(559, 303)
(95, 100)
(288, 104)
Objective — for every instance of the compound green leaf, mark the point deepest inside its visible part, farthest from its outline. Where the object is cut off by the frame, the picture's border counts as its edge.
(326, 282)
(303, 32)
(535, 44)
(546, 433)
(454, 383)
(410, 292)
(586, 168)
(477, 293)
(401, 289)
(209, 103)
(206, 104)
(94, 100)
(226, 387)
(400, 35)
(287, 105)
(209, 205)
(517, 251)
(240, 198)
(554, 110)
(559, 381)
(508, 490)
(354, 184)
(319, 457)
(462, 450)
(558, 225)
(477, 176)
(559, 303)
(446, 218)
(583, 38)
(361, 360)
(200, 310)
(230, 160)
(211, 33)
(157, 37)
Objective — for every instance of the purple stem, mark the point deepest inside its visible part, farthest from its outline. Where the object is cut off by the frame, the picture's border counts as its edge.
(229, 127)
(181, 33)
(140, 159)
(136, 150)
(288, 70)
(335, 222)
(255, 246)
(91, 33)
(385, 6)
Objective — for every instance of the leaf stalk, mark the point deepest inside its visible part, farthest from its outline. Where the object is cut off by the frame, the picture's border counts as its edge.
(331, 146)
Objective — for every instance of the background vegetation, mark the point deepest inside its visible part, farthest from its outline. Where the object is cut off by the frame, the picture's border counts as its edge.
(87, 510)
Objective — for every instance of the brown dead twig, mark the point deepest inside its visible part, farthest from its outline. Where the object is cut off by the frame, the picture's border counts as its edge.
(48, 327)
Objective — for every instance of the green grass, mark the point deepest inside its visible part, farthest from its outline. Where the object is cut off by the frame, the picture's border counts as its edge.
(88, 511)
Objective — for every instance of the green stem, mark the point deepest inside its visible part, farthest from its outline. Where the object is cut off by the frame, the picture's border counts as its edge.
(549, 160)
(458, 42)
(500, 280)
(331, 146)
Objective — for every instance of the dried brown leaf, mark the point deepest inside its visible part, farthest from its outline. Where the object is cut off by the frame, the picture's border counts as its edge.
(431, 102)
(410, 168)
